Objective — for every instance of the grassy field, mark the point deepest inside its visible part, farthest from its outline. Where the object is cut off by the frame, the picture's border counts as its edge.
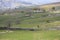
(30, 35)
(41, 19)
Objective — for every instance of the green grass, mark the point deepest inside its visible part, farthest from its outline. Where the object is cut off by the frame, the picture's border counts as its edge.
(17, 35)
(31, 35)
(29, 22)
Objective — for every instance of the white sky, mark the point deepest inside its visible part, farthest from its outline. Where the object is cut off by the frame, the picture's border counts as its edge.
(16, 3)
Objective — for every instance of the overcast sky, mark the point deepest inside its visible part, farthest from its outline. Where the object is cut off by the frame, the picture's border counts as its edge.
(40, 1)
(16, 3)
(34, 1)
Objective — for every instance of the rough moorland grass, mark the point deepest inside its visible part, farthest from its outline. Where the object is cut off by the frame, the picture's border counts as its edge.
(31, 35)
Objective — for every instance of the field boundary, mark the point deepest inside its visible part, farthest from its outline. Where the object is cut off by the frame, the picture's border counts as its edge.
(30, 29)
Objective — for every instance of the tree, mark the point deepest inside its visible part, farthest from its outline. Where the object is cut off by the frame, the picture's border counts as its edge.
(17, 21)
(8, 25)
(53, 8)
(48, 21)
(37, 26)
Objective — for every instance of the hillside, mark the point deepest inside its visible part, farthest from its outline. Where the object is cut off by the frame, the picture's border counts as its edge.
(50, 5)
(22, 17)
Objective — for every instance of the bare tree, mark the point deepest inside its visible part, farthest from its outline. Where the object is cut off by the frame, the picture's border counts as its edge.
(8, 25)
(17, 21)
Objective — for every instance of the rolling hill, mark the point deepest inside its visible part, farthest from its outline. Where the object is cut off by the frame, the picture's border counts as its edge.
(50, 5)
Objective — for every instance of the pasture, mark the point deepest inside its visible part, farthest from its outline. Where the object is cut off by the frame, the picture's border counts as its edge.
(30, 35)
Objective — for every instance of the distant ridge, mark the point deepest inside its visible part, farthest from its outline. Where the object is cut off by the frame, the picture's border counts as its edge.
(55, 3)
